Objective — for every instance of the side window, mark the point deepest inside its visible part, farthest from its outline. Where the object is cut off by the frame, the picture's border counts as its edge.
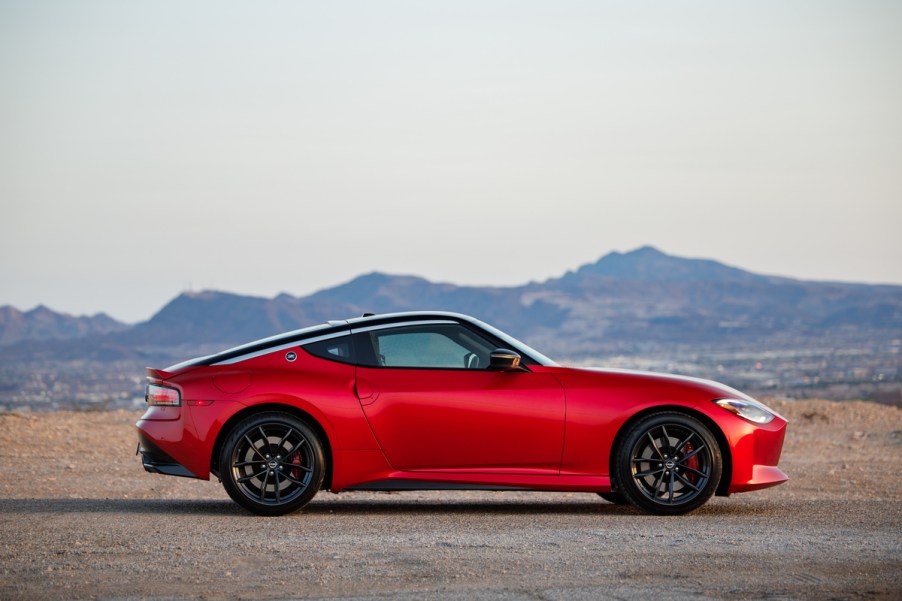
(333, 349)
(443, 346)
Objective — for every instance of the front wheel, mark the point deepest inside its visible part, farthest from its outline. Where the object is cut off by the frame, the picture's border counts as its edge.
(272, 464)
(668, 463)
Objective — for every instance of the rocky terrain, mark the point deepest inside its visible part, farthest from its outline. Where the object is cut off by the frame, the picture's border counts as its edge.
(80, 519)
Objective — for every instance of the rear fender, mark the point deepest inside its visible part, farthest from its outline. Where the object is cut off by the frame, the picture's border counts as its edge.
(215, 425)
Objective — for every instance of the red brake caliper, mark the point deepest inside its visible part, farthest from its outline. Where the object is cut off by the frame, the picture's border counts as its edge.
(692, 462)
(296, 460)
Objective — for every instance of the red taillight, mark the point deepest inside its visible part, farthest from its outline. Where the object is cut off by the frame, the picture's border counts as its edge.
(162, 396)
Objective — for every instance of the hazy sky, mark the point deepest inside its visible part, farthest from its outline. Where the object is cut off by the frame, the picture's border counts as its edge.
(149, 147)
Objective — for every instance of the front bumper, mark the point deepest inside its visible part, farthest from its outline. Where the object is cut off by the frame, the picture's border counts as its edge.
(756, 452)
(763, 476)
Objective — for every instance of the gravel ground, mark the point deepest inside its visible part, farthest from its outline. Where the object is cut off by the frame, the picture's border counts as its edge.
(80, 519)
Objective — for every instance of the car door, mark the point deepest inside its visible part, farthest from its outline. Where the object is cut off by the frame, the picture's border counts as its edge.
(434, 406)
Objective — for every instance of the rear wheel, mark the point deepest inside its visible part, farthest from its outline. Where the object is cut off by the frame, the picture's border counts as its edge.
(668, 463)
(272, 463)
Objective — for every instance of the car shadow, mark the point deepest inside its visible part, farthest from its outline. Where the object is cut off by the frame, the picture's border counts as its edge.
(338, 507)
(401, 506)
(126, 506)
(317, 507)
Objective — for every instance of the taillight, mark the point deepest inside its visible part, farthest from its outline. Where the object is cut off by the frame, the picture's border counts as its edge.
(163, 396)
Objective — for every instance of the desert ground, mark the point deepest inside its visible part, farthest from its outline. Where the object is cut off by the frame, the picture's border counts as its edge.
(80, 519)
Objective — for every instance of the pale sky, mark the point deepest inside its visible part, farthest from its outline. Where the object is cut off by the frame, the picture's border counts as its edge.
(149, 147)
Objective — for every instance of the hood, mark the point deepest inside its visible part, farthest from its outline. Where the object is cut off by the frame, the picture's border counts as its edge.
(715, 389)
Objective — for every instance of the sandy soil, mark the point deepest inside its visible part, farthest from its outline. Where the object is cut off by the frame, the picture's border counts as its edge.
(80, 519)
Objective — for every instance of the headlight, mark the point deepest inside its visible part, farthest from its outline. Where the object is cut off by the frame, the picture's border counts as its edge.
(750, 410)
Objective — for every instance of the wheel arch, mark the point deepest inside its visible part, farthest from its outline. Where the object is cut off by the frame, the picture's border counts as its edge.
(727, 474)
(229, 425)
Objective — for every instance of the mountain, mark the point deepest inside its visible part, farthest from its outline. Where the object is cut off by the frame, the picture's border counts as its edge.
(221, 317)
(625, 301)
(42, 323)
(640, 309)
(381, 293)
(648, 264)
(622, 303)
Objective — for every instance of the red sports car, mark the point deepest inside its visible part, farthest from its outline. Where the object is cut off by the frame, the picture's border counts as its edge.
(442, 401)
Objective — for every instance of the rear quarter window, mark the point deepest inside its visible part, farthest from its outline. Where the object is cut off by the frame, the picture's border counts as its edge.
(334, 349)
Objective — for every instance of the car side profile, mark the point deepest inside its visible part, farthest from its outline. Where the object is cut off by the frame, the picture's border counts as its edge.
(443, 401)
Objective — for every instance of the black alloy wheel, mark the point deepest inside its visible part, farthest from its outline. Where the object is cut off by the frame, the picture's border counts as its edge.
(668, 463)
(272, 464)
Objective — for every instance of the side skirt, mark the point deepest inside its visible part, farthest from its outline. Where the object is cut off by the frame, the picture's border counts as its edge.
(400, 484)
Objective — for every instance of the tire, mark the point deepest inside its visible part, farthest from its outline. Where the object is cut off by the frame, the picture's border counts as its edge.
(272, 463)
(668, 463)
(614, 497)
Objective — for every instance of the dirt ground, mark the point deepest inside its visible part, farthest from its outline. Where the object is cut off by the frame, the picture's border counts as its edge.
(80, 519)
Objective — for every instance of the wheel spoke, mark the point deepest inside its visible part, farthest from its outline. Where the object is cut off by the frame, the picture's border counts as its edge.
(655, 445)
(670, 500)
(296, 448)
(263, 487)
(284, 438)
(294, 480)
(252, 476)
(692, 469)
(666, 436)
(246, 463)
(253, 447)
(648, 473)
(278, 492)
(658, 484)
(686, 440)
(690, 455)
(687, 482)
(646, 460)
(265, 439)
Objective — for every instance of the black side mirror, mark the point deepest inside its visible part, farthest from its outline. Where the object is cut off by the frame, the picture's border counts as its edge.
(502, 359)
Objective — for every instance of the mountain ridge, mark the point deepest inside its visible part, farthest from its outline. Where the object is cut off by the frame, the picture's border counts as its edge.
(43, 323)
(647, 263)
(616, 304)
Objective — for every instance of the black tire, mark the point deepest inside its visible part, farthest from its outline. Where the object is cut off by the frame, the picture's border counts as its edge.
(668, 463)
(272, 463)
(614, 497)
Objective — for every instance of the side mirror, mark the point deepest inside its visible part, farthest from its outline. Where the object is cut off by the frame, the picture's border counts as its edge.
(502, 359)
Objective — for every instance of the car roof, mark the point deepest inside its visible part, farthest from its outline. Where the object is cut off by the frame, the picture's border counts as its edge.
(325, 329)
(407, 315)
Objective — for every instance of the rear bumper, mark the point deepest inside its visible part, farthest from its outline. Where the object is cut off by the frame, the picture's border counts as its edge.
(156, 461)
